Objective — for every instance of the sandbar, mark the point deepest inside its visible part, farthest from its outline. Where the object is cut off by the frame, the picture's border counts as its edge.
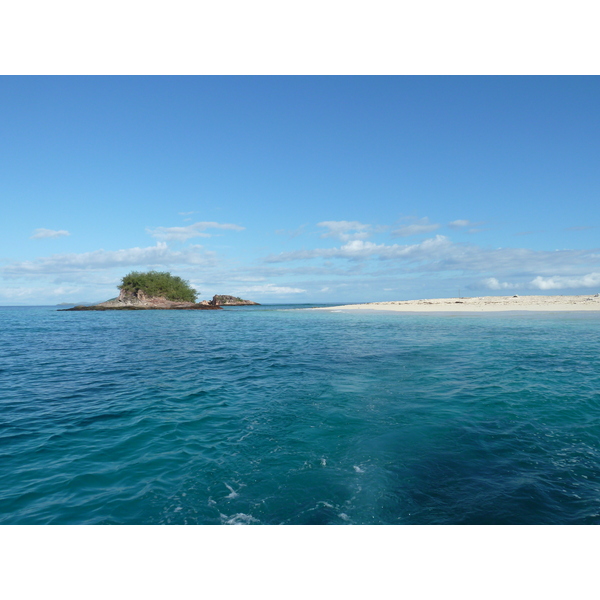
(483, 304)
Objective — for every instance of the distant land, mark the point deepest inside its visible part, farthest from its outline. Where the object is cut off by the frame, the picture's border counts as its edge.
(81, 303)
(156, 290)
(483, 304)
(139, 301)
(220, 300)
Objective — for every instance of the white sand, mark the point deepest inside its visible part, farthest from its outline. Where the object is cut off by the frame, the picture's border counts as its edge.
(483, 304)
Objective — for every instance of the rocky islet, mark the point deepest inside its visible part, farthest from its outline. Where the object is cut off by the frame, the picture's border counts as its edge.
(138, 300)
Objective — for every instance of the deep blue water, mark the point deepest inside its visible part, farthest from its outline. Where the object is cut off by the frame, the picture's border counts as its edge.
(274, 415)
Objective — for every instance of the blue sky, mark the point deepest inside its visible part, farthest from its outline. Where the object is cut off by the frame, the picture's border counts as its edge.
(300, 189)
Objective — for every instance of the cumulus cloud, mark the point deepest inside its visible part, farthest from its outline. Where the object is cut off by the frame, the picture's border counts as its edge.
(417, 227)
(556, 282)
(181, 234)
(441, 255)
(153, 256)
(40, 234)
(360, 250)
(346, 230)
(561, 282)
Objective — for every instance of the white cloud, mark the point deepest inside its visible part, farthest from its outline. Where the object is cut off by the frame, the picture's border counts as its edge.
(346, 230)
(359, 250)
(441, 255)
(19, 293)
(245, 278)
(419, 226)
(561, 282)
(153, 256)
(181, 234)
(459, 223)
(35, 293)
(557, 282)
(42, 233)
(493, 284)
(270, 288)
(462, 223)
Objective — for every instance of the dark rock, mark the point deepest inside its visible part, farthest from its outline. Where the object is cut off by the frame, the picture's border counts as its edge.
(99, 307)
(224, 300)
(139, 301)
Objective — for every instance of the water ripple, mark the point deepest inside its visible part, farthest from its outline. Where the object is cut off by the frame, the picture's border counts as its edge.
(296, 417)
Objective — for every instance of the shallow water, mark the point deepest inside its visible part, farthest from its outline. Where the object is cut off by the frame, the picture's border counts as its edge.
(266, 415)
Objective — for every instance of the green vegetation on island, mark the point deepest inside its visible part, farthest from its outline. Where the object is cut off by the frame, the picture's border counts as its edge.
(159, 284)
(156, 290)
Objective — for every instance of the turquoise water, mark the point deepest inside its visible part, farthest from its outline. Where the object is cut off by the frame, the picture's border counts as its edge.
(273, 415)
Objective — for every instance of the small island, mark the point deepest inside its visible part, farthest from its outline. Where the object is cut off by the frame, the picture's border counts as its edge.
(156, 290)
(231, 301)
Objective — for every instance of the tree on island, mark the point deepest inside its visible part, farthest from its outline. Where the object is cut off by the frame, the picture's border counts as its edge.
(157, 283)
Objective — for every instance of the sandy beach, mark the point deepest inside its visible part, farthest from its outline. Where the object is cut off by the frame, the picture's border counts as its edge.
(483, 304)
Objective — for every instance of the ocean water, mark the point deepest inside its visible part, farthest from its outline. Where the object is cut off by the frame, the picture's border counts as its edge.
(282, 415)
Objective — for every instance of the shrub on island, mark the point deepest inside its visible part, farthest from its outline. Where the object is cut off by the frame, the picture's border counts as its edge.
(157, 283)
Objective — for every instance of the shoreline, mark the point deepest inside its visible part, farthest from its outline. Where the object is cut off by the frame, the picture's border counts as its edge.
(102, 307)
(482, 304)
